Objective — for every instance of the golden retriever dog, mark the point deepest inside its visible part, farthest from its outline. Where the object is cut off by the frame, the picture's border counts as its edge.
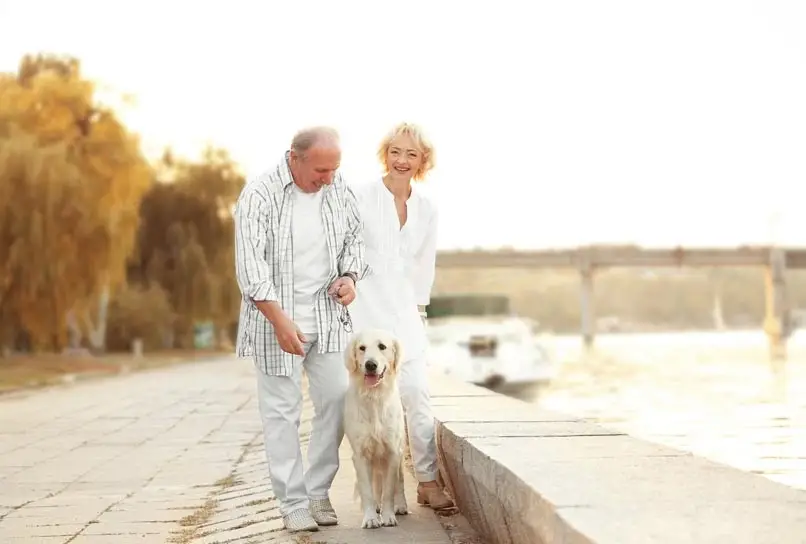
(374, 427)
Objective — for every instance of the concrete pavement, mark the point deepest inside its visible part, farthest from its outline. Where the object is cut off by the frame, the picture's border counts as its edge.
(172, 455)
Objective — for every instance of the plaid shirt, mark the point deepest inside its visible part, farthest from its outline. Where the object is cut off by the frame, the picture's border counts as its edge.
(264, 264)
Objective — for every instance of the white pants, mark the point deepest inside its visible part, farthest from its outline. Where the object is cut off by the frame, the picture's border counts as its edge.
(280, 401)
(413, 384)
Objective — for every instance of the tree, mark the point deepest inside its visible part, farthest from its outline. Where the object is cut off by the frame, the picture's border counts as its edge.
(139, 313)
(185, 242)
(40, 231)
(71, 181)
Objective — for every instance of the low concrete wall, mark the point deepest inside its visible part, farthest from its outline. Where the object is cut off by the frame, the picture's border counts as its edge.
(522, 475)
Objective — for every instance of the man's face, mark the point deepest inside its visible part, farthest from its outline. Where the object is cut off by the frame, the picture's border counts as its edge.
(315, 168)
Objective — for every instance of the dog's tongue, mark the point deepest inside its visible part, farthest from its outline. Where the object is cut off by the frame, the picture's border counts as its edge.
(371, 380)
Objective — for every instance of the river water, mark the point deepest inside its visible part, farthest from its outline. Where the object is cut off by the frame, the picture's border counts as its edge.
(714, 394)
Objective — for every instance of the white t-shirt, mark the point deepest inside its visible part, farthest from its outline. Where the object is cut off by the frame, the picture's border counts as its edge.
(311, 258)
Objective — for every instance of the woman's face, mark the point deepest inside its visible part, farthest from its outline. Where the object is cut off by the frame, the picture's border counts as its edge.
(403, 158)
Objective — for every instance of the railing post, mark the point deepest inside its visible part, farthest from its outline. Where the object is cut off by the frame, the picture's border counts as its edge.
(587, 307)
(715, 276)
(776, 319)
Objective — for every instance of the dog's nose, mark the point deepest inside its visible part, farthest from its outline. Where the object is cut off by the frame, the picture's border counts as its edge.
(371, 366)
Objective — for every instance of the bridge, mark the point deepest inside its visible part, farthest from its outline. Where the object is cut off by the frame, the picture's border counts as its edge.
(775, 261)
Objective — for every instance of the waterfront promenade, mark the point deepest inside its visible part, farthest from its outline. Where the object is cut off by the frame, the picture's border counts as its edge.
(175, 456)
(167, 456)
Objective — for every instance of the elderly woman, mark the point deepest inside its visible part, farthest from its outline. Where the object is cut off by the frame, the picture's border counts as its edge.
(400, 231)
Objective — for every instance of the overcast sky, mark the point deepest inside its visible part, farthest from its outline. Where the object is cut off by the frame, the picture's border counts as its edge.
(556, 123)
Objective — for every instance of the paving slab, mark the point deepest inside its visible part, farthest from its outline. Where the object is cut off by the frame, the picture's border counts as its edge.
(173, 455)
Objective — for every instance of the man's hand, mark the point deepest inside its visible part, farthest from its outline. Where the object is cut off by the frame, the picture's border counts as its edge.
(290, 337)
(286, 331)
(343, 290)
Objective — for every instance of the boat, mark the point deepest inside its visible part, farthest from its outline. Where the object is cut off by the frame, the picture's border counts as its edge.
(478, 339)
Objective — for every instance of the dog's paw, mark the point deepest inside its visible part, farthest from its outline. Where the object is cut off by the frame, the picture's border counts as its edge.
(389, 519)
(401, 509)
(371, 522)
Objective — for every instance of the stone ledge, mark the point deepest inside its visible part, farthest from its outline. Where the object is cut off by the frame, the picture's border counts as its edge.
(524, 475)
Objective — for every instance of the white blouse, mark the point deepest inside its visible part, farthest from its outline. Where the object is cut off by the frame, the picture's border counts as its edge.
(403, 264)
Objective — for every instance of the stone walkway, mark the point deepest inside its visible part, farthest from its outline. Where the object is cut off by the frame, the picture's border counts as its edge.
(169, 456)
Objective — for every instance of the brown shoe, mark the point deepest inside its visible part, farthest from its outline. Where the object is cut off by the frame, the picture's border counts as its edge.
(433, 496)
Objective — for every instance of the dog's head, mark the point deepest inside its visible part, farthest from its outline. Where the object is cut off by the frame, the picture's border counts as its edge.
(374, 355)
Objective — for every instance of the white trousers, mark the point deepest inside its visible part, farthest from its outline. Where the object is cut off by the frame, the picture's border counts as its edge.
(413, 385)
(280, 401)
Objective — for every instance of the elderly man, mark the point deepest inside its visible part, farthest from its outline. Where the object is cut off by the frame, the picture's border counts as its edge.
(299, 252)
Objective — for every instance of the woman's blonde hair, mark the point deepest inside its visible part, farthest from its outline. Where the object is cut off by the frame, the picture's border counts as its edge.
(420, 139)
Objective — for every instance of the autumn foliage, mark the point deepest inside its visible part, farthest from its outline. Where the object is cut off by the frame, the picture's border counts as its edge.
(98, 246)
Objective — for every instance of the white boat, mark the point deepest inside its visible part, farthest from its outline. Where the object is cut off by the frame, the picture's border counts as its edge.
(475, 338)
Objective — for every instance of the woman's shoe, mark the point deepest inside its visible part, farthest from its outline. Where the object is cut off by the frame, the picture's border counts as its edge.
(433, 496)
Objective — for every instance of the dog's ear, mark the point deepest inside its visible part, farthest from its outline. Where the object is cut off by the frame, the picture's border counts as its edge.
(398, 358)
(351, 355)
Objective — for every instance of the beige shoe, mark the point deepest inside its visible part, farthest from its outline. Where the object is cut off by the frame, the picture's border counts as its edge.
(300, 520)
(323, 512)
(433, 496)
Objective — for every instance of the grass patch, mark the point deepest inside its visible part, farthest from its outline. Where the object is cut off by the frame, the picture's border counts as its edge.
(257, 502)
(227, 481)
(245, 523)
(191, 522)
(306, 539)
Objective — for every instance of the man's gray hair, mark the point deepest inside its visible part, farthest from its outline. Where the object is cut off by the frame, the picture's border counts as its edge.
(309, 137)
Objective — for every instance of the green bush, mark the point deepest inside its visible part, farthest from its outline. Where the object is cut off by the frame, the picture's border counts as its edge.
(143, 313)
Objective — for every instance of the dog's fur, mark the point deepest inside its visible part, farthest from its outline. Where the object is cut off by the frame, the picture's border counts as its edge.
(374, 426)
